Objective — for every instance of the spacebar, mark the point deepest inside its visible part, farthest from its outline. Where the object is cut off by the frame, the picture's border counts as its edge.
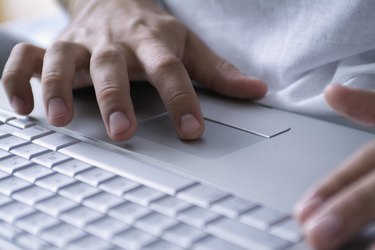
(127, 167)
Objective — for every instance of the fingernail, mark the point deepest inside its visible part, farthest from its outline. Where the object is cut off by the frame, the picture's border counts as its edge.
(118, 123)
(189, 124)
(325, 228)
(56, 108)
(17, 104)
(308, 206)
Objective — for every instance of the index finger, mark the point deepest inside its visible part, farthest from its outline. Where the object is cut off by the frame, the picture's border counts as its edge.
(24, 61)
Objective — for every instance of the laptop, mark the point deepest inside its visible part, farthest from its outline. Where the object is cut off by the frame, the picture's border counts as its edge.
(235, 188)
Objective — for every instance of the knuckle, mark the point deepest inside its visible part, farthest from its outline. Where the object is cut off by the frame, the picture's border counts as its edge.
(221, 65)
(52, 78)
(137, 22)
(9, 75)
(62, 47)
(164, 64)
(224, 65)
(175, 98)
(169, 23)
(106, 55)
(23, 49)
(144, 39)
(12, 70)
(109, 92)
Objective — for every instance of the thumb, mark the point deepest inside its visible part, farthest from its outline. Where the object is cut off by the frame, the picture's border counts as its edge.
(356, 104)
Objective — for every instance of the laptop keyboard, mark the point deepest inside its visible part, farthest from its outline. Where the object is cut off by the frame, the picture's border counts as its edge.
(59, 192)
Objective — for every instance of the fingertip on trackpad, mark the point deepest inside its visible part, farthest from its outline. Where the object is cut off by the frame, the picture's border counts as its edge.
(218, 139)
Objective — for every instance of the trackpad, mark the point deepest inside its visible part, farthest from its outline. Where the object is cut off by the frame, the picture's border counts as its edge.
(218, 139)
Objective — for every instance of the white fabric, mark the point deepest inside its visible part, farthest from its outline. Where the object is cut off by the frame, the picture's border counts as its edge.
(297, 46)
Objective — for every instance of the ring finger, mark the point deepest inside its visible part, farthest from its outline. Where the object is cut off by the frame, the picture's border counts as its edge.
(109, 74)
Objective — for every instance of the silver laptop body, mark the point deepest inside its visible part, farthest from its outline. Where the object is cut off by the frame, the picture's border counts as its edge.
(257, 153)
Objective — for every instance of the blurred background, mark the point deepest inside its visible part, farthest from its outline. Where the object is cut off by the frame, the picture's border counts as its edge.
(12, 9)
(35, 21)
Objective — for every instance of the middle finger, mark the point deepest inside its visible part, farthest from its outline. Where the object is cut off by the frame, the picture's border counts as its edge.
(169, 76)
(109, 74)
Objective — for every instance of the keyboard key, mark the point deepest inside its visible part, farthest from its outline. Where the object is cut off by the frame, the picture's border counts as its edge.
(29, 151)
(288, 230)
(143, 195)
(14, 163)
(118, 185)
(62, 234)
(78, 191)
(210, 243)
(80, 216)
(5, 118)
(12, 184)
(11, 142)
(3, 175)
(201, 195)
(128, 212)
(13, 211)
(161, 244)
(132, 169)
(8, 245)
(28, 241)
(22, 123)
(95, 176)
(169, 205)
(4, 200)
(102, 202)
(33, 173)
(32, 195)
(90, 242)
(262, 218)
(37, 222)
(197, 217)
(56, 205)
(55, 182)
(184, 235)
(133, 239)
(3, 134)
(8, 130)
(8, 232)
(245, 236)
(155, 223)
(4, 154)
(32, 133)
(232, 207)
(50, 159)
(72, 167)
(106, 227)
(55, 141)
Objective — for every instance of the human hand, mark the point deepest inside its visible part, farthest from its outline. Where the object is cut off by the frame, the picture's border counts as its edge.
(344, 202)
(117, 41)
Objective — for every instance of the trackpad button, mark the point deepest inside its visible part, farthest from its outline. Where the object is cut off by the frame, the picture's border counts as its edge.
(218, 140)
(244, 115)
